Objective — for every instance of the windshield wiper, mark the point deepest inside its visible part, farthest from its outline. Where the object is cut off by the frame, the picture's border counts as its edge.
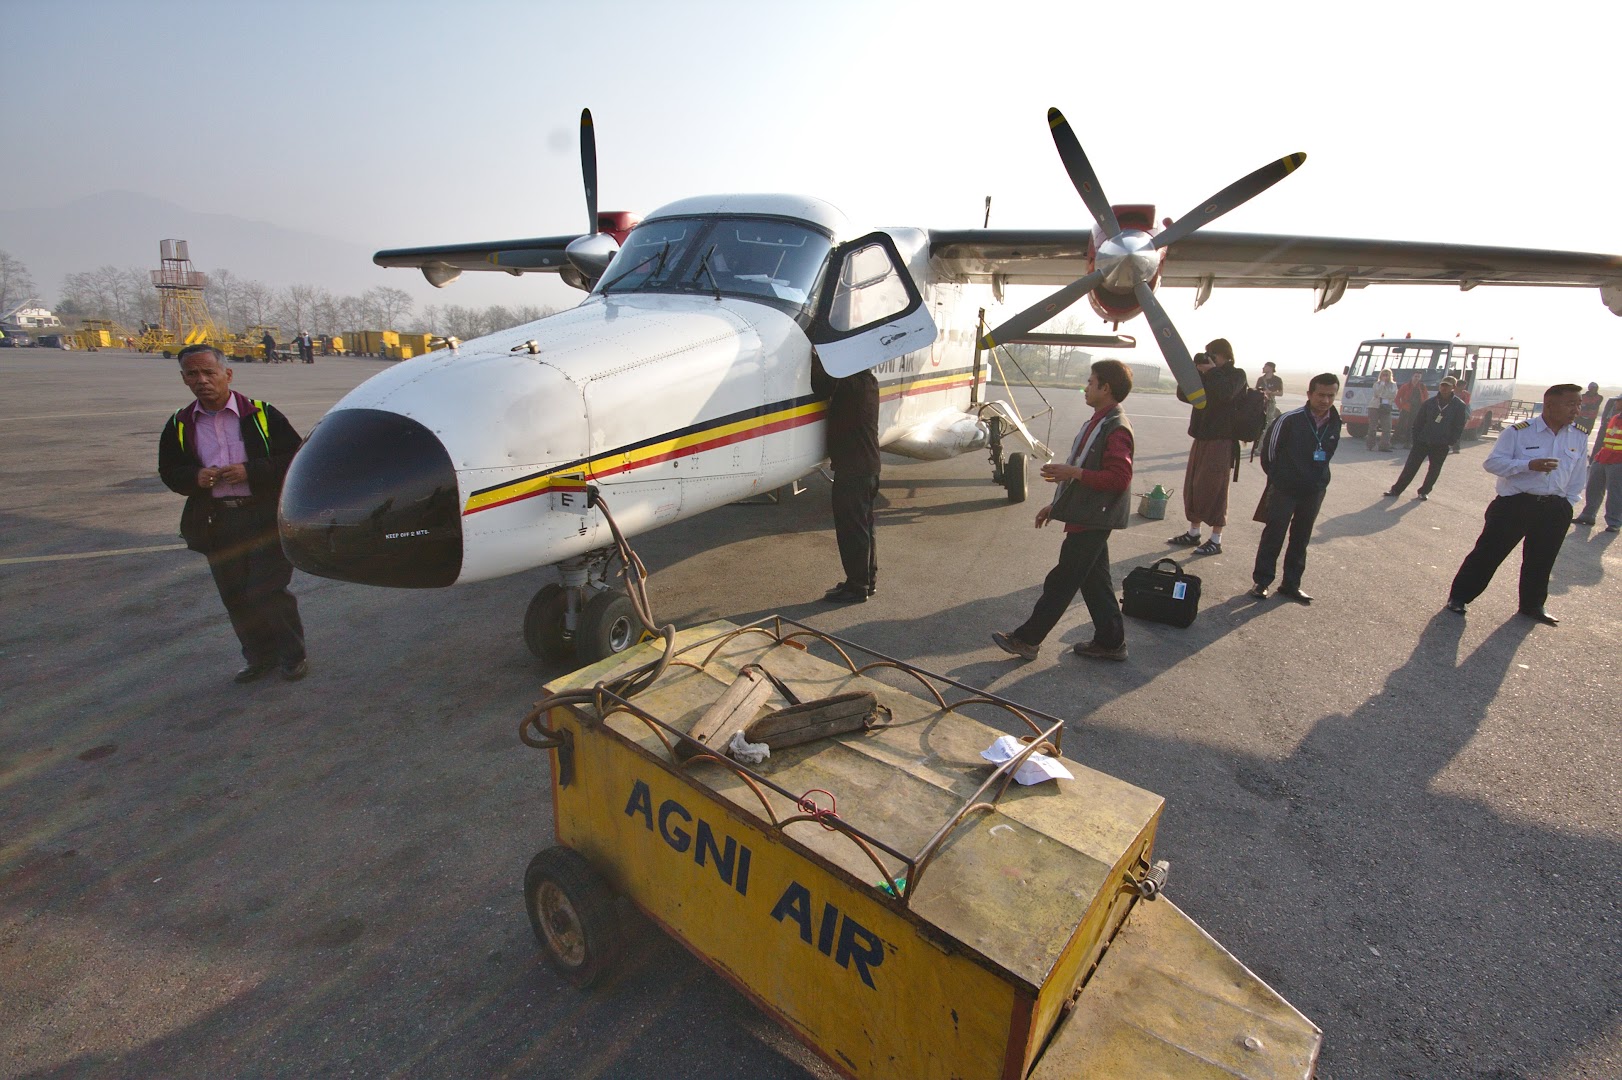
(660, 255)
(704, 268)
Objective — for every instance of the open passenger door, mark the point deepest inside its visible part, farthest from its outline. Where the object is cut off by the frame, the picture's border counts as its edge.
(870, 309)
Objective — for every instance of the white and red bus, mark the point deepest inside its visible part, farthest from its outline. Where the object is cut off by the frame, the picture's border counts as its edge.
(1485, 371)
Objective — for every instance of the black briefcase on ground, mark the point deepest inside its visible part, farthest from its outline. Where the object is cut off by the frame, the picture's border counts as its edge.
(1161, 595)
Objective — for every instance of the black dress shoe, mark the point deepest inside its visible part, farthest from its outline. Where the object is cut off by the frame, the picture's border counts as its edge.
(1455, 606)
(296, 670)
(252, 672)
(1295, 594)
(1542, 617)
(845, 594)
(1257, 592)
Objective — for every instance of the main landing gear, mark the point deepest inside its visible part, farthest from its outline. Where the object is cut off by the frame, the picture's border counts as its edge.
(584, 619)
(1007, 471)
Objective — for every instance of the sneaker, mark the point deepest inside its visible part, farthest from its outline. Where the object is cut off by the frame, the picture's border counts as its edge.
(1187, 539)
(1099, 652)
(1210, 547)
(1008, 643)
(1584, 520)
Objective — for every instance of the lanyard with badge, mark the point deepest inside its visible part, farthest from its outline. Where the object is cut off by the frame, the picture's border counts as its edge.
(1318, 455)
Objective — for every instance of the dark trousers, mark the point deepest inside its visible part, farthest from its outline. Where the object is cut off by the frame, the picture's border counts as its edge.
(1538, 523)
(1420, 451)
(1292, 514)
(1405, 426)
(853, 498)
(252, 575)
(1083, 567)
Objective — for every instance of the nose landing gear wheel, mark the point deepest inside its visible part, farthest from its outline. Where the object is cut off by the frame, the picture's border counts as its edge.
(571, 911)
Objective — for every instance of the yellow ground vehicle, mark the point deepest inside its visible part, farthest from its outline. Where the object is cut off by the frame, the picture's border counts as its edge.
(894, 899)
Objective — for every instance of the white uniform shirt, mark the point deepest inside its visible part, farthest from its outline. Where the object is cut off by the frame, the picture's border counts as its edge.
(1520, 443)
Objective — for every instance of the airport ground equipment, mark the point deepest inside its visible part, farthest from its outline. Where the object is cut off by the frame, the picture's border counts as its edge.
(891, 897)
(183, 317)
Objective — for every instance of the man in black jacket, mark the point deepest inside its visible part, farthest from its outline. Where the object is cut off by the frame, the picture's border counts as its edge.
(1436, 427)
(1295, 456)
(229, 455)
(853, 451)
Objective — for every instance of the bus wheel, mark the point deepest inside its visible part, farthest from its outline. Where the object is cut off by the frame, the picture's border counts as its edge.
(1356, 431)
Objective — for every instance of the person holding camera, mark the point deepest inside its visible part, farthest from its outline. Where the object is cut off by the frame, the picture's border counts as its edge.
(1215, 452)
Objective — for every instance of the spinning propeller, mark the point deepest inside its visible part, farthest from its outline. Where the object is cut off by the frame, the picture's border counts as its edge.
(1131, 258)
(590, 254)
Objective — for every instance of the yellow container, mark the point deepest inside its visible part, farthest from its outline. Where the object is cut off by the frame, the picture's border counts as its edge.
(419, 343)
(969, 968)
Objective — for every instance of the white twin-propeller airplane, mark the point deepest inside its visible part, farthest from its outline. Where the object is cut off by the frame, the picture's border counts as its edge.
(683, 381)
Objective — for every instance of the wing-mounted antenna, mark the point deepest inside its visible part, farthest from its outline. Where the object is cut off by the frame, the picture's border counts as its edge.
(590, 254)
(1129, 259)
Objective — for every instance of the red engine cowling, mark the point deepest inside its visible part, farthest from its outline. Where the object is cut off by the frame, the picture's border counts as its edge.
(619, 223)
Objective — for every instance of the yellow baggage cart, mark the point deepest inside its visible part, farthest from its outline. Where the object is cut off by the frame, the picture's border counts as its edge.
(887, 893)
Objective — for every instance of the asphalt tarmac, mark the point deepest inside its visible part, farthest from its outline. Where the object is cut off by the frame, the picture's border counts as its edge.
(1407, 822)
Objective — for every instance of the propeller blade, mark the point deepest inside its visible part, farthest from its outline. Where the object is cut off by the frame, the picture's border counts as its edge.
(1081, 172)
(1042, 311)
(588, 166)
(1171, 346)
(1235, 194)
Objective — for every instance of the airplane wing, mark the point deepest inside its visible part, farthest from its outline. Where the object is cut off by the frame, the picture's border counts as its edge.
(443, 264)
(1328, 265)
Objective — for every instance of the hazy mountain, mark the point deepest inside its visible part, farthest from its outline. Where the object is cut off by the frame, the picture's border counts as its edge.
(123, 228)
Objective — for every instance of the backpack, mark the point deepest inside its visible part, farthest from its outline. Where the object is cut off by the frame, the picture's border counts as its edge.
(1249, 416)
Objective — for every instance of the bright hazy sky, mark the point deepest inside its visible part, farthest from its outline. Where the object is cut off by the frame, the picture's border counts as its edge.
(423, 123)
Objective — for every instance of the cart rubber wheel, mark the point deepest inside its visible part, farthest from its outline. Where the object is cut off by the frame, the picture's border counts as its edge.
(571, 911)
(608, 625)
(1013, 479)
(543, 623)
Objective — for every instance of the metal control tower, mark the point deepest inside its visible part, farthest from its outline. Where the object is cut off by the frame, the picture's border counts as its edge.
(183, 317)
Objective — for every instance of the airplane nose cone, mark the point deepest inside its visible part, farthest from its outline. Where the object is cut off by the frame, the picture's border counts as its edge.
(371, 498)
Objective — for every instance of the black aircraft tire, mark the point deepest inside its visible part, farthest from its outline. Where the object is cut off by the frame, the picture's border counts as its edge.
(543, 624)
(608, 625)
(571, 910)
(1014, 478)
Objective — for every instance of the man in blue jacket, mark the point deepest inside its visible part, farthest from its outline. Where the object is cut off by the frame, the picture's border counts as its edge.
(229, 455)
(1295, 455)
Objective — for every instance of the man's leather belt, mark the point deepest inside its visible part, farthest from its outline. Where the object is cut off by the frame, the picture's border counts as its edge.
(234, 503)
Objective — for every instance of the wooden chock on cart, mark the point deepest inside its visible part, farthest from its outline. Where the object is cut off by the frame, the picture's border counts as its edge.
(733, 710)
(797, 724)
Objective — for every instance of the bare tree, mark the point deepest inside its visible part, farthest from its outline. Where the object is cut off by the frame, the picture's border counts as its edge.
(295, 305)
(324, 313)
(222, 295)
(141, 295)
(258, 303)
(393, 306)
(16, 285)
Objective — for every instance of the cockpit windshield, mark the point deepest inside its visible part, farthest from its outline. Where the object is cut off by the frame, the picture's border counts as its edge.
(762, 258)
